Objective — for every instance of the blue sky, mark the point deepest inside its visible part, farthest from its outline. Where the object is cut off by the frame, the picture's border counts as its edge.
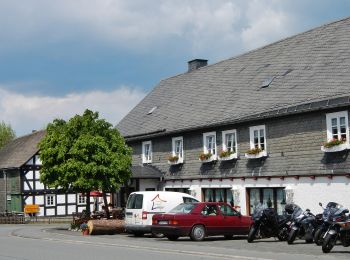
(58, 58)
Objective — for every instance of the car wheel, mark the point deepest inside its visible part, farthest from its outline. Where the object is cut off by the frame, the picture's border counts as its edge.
(172, 238)
(138, 234)
(157, 235)
(198, 233)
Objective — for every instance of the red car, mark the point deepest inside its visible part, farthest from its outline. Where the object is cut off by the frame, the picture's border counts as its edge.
(201, 219)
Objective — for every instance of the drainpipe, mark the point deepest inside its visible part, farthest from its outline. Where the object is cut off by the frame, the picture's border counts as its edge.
(5, 178)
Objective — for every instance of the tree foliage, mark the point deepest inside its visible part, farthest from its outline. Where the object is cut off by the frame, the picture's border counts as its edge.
(84, 154)
(6, 134)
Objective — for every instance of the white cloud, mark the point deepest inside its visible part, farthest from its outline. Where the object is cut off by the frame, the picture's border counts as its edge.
(28, 112)
(266, 23)
(143, 25)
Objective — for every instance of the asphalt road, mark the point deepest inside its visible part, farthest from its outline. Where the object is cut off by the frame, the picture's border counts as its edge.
(51, 242)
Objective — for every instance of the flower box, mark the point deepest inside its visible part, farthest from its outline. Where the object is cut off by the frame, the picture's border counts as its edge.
(335, 148)
(228, 158)
(207, 157)
(174, 160)
(257, 155)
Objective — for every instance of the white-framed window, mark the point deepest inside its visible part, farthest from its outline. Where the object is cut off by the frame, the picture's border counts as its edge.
(81, 199)
(258, 137)
(229, 141)
(147, 152)
(50, 200)
(337, 126)
(209, 143)
(178, 148)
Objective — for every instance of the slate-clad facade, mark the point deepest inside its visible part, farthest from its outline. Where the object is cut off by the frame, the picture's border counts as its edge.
(288, 89)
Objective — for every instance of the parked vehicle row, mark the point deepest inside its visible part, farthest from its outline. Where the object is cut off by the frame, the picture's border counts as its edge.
(174, 215)
(324, 229)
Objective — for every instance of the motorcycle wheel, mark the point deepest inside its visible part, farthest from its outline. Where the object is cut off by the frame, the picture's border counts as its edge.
(328, 243)
(292, 235)
(344, 240)
(283, 235)
(318, 237)
(252, 233)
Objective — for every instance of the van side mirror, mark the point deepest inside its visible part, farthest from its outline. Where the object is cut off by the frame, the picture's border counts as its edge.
(346, 211)
(320, 204)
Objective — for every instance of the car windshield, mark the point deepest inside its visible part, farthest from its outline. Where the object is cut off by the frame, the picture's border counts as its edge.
(183, 208)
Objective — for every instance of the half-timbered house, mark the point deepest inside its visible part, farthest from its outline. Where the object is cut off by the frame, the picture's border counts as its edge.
(20, 181)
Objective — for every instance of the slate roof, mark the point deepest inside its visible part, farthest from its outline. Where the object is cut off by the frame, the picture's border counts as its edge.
(145, 172)
(308, 67)
(19, 151)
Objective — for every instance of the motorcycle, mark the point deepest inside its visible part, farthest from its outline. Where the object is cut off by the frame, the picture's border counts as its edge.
(339, 228)
(267, 223)
(324, 222)
(303, 225)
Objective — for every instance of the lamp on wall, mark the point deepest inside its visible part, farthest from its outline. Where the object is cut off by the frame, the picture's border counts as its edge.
(289, 194)
(192, 191)
(236, 195)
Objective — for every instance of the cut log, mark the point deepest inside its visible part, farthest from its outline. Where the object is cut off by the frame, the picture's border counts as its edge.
(105, 226)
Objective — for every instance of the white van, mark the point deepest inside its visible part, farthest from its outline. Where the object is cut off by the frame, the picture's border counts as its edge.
(142, 205)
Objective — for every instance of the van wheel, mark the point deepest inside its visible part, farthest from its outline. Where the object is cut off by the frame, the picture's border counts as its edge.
(197, 233)
(158, 235)
(172, 238)
(138, 234)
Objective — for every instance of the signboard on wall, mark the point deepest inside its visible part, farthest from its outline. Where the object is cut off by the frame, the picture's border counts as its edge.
(31, 208)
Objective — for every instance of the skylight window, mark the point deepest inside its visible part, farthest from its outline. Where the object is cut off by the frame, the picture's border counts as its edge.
(152, 110)
(267, 82)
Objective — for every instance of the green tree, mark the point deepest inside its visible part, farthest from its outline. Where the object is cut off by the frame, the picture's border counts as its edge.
(84, 154)
(6, 133)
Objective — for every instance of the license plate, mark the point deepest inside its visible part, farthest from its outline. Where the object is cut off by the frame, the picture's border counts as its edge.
(163, 222)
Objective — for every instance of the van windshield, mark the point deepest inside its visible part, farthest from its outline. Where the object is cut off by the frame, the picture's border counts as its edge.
(183, 208)
(135, 201)
(188, 200)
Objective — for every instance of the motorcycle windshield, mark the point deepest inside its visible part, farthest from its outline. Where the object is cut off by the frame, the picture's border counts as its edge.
(258, 211)
(297, 212)
(331, 209)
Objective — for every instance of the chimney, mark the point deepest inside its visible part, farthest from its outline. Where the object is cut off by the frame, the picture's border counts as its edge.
(196, 64)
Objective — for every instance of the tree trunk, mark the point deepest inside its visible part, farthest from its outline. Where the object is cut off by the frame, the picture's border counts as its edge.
(105, 226)
(88, 210)
(106, 204)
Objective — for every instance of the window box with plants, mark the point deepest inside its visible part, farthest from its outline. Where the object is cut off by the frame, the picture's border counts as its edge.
(207, 157)
(227, 155)
(255, 153)
(174, 160)
(335, 145)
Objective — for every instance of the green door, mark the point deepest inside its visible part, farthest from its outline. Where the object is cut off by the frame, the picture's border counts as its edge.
(15, 204)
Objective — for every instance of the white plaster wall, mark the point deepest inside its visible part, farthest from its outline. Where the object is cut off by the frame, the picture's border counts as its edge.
(50, 212)
(30, 161)
(37, 160)
(41, 211)
(61, 198)
(37, 174)
(29, 200)
(25, 185)
(61, 210)
(71, 209)
(71, 198)
(39, 199)
(29, 175)
(307, 193)
(39, 185)
(148, 184)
